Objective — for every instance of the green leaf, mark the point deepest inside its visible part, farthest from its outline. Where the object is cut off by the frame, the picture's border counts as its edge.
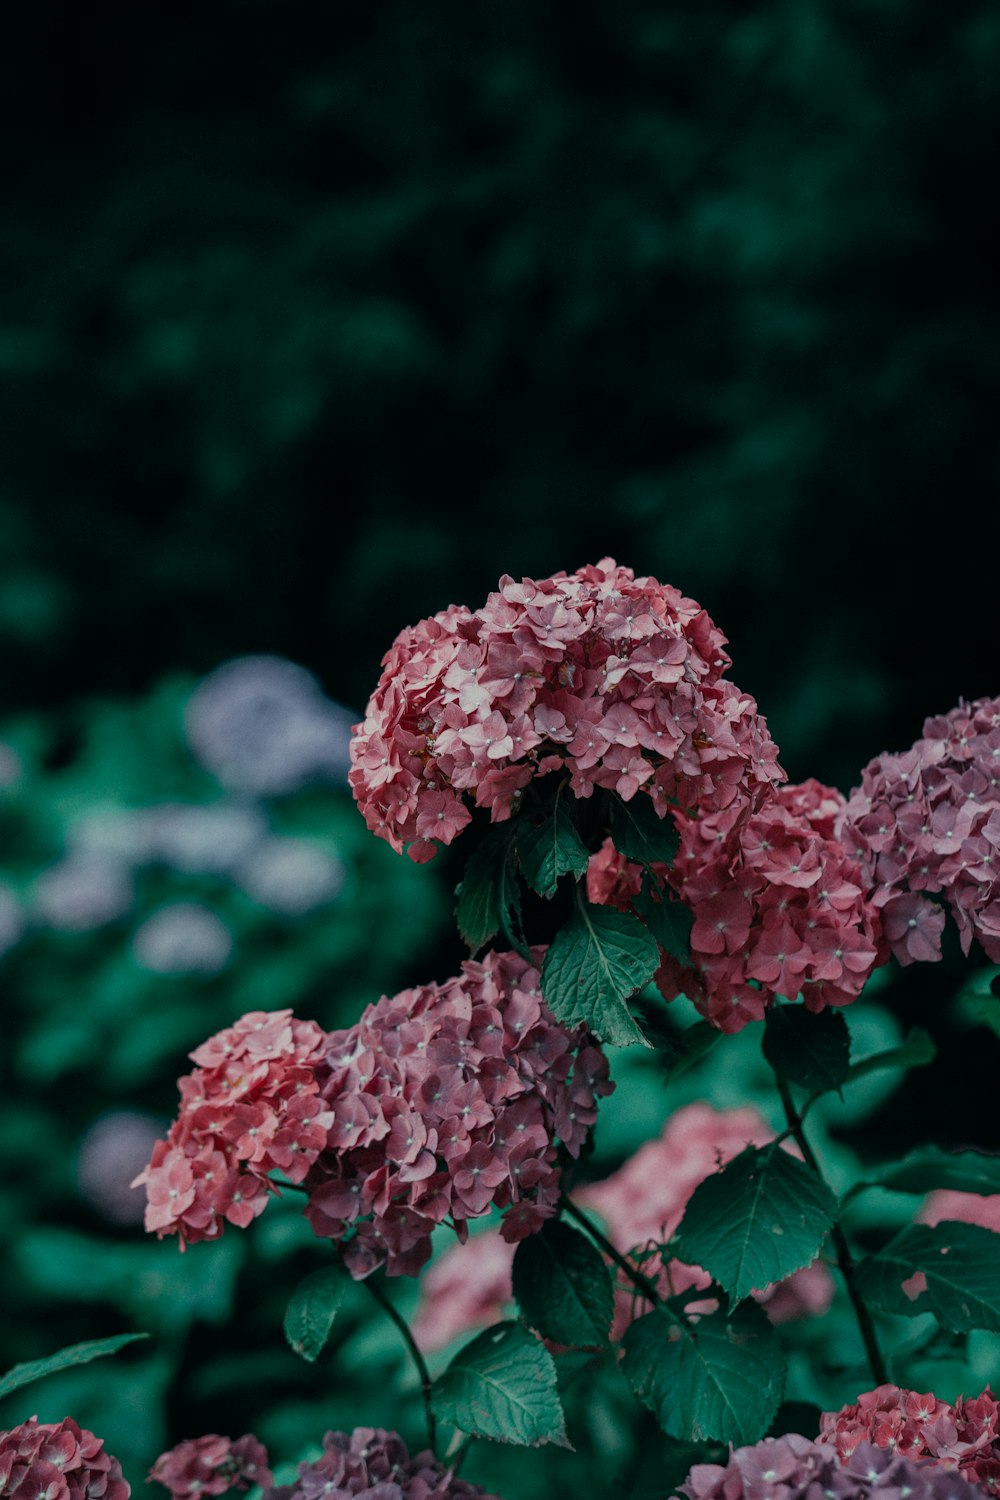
(917, 1050)
(720, 1377)
(928, 1168)
(489, 900)
(550, 849)
(502, 1385)
(312, 1308)
(961, 1263)
(563, 1286)
(593, 965)
(813, 1051)
(667, 918)
(638, 832)
(762, 1217)
(74, 1354)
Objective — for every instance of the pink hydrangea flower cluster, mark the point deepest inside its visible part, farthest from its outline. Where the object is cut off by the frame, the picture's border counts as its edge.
(212, 1464)
(778, 903)
(965, 1436)
(641, 1206)
(447, 1100)
(376, 1464)
(249, 1108)
(618, 680)
(58, 1461)
(795, 1468)
(926, 823)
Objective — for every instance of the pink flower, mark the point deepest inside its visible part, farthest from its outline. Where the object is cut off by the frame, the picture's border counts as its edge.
(376, 1464)
(926, 824)
(58, 1461)
(966, 1208)
(619, 680)
(466, 1091)
(211, 1465)
(249, 1109)
(794, 1468)
(777, 907)
(965, 1436)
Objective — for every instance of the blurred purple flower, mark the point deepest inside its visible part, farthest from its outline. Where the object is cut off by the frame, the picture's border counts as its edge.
(185, 938)
(11, 920)
(114, 834)
(201, 838)
(262, 725)
(111, 1152)
(292, 876)
(82, 893)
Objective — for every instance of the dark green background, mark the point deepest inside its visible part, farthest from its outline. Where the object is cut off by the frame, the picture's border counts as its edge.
(319, 316)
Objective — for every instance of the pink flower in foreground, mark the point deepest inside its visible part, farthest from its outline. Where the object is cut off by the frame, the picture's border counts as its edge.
(617, 680)
(440, 1103)
(926, 824)
(251, 1107)
(58, 1461)
(212, 1464)
(376, 1464)
(777, 903)
(447, 1100)
(795, 1468)
(965, 1436)
(641, 1206)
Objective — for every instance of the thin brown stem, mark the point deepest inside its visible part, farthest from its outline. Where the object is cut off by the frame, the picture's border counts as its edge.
(647, 1287)
(845, 1259)
(414, 1350)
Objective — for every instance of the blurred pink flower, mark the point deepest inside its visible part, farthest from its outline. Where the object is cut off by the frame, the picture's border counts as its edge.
(641, 1206)
(212, 1464)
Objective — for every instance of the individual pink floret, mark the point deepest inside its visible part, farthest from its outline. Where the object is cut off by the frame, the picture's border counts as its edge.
(618, 681)
(58, 1461)
(448, 1100)
(965, 1436)
(377, 1464)
(777, 902)
(925, 828)
(641, 1206)
(250, 1108)
(212, 1464)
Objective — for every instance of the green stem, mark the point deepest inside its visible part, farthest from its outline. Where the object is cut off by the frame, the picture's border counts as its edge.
(415, 1354)
(845, 1259)
(648, 1288)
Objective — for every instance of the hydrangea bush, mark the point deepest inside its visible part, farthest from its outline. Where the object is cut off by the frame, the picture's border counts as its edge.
(731, 1307)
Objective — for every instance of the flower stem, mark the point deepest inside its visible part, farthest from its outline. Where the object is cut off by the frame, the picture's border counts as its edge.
(648, 1288)
(845, 1259)
(414, 1351)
